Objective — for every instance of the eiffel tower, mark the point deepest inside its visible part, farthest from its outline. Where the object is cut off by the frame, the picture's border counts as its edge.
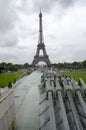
(41, 46)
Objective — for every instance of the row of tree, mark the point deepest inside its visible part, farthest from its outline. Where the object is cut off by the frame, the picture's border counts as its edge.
(15, 67)
(74, 65)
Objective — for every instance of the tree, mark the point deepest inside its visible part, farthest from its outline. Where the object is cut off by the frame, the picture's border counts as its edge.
(26, 65)
(84, 64)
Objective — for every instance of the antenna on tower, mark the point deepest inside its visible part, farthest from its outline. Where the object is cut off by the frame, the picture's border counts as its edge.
(40, 10)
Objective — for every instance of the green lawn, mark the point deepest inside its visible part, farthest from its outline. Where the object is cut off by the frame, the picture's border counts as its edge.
(6, 77)
(76, 75)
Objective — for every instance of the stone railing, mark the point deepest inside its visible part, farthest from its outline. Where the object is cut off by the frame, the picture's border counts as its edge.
(7, 110)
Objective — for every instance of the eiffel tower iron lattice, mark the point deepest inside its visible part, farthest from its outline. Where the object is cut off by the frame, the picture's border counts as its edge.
(41, 46)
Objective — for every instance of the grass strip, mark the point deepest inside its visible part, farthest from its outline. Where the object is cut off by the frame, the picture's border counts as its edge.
(76, 75)
(6, 77)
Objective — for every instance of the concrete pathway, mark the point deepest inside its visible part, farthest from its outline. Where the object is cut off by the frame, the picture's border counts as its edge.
(27, 107)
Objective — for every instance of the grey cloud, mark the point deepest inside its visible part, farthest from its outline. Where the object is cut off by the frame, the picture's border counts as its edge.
(64, 44)
(10, 43)
(8, 40)
(7, 57)
(29, 6)
(7, 15)
(25, 6)
(79, 55)
(48, 5)
(44, 5)
(36, 5)
(66, 3)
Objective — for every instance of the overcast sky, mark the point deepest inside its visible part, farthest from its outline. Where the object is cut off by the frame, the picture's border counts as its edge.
(64, 29)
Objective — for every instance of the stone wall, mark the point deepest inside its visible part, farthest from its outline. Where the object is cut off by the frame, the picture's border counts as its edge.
(7, 111)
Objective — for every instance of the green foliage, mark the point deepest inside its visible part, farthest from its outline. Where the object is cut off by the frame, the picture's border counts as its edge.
(84, 64)
(13, 67)
(74, 65)
(6, 78)
(76, 75)
(26, 65)
(13, 125)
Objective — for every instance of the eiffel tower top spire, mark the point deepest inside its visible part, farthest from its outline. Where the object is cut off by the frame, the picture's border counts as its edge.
(41, 40)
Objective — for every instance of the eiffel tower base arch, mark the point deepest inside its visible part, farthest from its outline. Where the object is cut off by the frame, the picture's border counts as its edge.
(38, 59)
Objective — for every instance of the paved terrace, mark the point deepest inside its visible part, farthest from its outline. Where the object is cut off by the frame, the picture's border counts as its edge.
(3, 92)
